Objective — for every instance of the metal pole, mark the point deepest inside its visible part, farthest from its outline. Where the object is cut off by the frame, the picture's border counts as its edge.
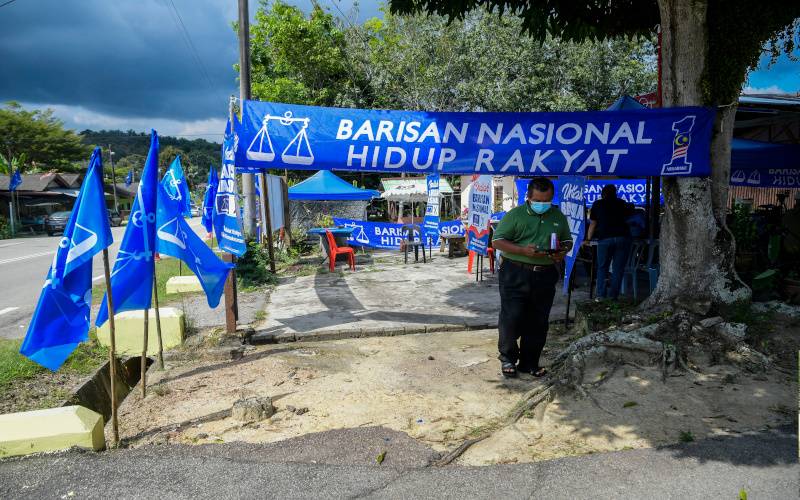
(267, 221)
(11, 211)
(112, 352)
(113, 177)
(230, 300)
(144, 353)
(158, 319)
(248, 183)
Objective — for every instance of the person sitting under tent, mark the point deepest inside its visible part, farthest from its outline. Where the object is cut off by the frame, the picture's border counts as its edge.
(528, 276)
(609, 225)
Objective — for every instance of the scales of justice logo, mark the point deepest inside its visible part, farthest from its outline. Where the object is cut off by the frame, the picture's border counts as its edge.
(296, 152)
(680, 147)
(739, 177)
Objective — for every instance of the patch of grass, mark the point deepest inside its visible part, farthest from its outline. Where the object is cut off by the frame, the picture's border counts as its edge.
(14, 366)
(161, 390)
(686, 437)
(260, 315)
(629, 404)
(166, 268)
(602, 315)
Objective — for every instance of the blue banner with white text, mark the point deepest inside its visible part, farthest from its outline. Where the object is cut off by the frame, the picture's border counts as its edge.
(771, 177)
(632, 143)
(633, 191)
(573, 195)
(389, 235)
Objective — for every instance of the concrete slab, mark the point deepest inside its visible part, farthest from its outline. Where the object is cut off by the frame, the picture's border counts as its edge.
(53, 429)
(130, 330)
(387, 296)
(183, 284)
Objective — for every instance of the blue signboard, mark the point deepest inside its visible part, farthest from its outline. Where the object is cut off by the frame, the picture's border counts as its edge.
(631, 190)
(388, 235)
(572, 195)
(645, 142)
(430, 224)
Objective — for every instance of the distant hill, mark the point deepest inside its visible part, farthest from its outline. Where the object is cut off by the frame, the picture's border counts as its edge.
(130, 150)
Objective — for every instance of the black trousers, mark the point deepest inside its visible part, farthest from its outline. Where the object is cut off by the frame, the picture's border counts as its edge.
(526, 297)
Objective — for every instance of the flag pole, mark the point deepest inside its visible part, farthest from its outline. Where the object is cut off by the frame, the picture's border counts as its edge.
(158, 319)
(144, 353)
(112, 354)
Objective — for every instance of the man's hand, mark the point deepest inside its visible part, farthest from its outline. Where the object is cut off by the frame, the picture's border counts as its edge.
(559, 256)
(533, 251)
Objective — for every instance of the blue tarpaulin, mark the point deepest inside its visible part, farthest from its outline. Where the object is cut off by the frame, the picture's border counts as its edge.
(638, 142)
(325, 185)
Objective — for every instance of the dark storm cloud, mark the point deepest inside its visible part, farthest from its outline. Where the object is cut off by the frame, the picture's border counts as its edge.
(123, 58)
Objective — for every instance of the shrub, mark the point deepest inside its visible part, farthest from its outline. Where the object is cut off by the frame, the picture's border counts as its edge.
(5, 228)
(252, 268)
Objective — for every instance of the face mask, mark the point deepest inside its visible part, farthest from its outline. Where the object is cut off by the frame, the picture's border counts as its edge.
(539, 207)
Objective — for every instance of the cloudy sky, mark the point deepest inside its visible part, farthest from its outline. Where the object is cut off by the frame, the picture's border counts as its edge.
(126, 64)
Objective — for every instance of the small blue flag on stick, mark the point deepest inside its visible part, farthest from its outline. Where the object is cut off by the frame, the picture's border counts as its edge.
(129, 178)
(16, 180)
(61, 319)
(208, 200)
(174, 183)
(132, 277)
(177, 239)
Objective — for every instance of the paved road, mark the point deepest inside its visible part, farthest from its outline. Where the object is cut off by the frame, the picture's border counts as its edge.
(763, 464)
(23, 265)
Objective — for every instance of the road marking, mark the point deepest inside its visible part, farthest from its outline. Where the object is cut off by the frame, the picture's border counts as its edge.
(11, 244)
(98, 277)
(26, 257)
(8, 310)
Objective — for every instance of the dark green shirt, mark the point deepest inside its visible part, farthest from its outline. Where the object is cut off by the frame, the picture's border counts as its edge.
(522, 226)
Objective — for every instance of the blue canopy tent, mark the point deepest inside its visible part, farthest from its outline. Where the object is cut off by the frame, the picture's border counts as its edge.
(326, 186)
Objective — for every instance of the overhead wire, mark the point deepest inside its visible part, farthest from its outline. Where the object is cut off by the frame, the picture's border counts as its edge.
(187, 38)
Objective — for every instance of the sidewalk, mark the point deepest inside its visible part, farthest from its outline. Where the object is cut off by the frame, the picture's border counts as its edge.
(386, 297)
(341, 464)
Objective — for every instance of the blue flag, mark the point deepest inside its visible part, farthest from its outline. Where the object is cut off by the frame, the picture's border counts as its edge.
(227, 223)
(132, 277)
(176, 238)
(129, 178)
(208, 200)
(16, 180)
(61, 319)
(174, 183)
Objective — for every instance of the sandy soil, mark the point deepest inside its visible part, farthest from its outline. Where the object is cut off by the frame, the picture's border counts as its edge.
(442, 389)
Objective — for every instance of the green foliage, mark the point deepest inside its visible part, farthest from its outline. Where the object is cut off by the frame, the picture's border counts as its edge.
(130, 152)
(299, 59)
(686, 437)
(252, 268)
(743, 229)
(629, 404)
(739, 31)
(323, 220)
(5, 228)
(38, 137)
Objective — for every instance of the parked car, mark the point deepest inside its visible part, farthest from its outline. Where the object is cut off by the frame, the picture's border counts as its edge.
(195, 211)
(114, 218)
(56, 222)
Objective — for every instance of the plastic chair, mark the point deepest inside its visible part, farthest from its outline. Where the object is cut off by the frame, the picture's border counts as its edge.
(489, 255)
(410, 239)
(335, 251)
(646, 261)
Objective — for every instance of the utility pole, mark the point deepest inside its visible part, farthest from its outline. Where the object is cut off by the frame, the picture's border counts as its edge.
(113, 178)
(248, 181)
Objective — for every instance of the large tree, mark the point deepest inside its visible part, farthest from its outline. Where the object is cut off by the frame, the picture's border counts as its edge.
(40, 138)
(707, 48)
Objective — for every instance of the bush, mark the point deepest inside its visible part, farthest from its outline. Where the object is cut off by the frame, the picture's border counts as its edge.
(252, 268)
(5, 228)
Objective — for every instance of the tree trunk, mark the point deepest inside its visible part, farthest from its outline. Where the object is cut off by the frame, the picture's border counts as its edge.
(697, 249)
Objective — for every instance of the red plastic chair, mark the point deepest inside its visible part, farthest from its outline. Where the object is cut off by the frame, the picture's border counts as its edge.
(335, 251)
(490, 256)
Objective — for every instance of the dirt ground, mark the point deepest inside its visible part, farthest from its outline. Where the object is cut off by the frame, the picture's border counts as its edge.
(442, 388)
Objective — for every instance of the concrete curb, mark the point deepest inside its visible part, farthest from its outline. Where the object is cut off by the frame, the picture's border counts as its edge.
(264, 337)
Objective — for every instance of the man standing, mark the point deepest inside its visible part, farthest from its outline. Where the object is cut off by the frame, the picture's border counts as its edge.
(528, 276)
(609, 225)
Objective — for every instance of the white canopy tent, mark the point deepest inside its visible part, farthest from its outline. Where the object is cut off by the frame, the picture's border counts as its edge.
(411, 190)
